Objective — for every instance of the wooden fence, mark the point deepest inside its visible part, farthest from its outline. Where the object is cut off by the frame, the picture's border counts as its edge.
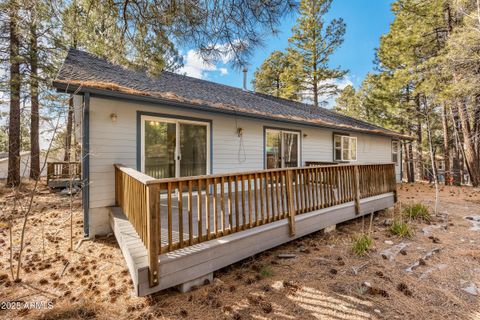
(201, 208)
(63, 170)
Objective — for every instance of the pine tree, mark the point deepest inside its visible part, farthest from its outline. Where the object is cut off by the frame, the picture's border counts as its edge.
(315, 41)
(13, 177)
(279, 75)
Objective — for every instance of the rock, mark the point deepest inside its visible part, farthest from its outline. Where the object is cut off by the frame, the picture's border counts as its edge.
(475, 220)
(421, 261)
(286, 256)
(301, 249)
(377, 311)
(471, 289)
(387, 222)
(391, 253)
(389, 242)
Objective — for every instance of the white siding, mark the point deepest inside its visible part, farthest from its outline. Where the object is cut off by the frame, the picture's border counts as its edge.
(115, 142)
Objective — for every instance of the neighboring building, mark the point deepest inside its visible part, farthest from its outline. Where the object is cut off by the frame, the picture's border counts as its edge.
(174, 125)
(24, 165)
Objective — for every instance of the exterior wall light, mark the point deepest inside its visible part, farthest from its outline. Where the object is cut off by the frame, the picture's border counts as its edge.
(240, 132)
(114, 117)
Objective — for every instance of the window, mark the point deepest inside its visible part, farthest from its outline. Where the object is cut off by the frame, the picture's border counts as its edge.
(345, 148)
(395, 151)
(282, 149)
(174, 147)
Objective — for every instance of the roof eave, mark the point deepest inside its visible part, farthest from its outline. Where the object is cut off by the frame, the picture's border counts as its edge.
(65, 87)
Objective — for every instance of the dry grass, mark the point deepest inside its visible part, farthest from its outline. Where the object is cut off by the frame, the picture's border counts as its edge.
(319, 283)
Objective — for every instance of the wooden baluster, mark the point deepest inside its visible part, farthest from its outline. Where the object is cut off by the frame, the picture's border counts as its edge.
(222, 203)
(244, 206)
(250, 201)
(289, 196)
(207, 208)
(180, 214)
(169, 204)
(255, 190)
(277, 195)
(297, 191)
(199, 211)
(190, 213)
(267, 197)
(304, 191)
(283, 198)
(215, 209)
(237, 212)
(262, 195)
(356, 188)
(272, 195)
(230, 204)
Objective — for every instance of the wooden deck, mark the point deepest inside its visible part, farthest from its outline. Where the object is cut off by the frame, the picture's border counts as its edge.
(169, 239)
(63, 174)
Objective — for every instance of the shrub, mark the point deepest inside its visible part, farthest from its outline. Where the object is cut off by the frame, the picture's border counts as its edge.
(361, 244)
(401, 229)
(417, 211)
(266, 271)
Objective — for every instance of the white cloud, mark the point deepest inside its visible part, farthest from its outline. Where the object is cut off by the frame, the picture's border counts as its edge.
(329, 101)
(223, 71)
(195, 66)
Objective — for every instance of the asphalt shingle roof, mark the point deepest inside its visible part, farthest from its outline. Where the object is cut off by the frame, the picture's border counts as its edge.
(83, 70)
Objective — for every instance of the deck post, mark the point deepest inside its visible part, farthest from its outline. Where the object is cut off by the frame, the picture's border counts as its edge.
(356, 189)
(153, 228)
(291, 208)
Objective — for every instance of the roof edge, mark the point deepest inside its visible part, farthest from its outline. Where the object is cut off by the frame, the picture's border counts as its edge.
(63, 86)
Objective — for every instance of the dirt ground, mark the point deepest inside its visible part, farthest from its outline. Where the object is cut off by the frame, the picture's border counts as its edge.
(324, 281)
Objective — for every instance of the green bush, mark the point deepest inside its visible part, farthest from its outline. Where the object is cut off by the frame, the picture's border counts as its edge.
(361, 244)
(266, 271)
(417, 211)
(401, 229)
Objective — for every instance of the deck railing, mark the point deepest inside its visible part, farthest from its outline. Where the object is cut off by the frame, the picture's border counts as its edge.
(191, 210)
(63, 170)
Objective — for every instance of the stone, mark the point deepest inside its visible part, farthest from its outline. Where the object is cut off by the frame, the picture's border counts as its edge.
(391, 253)
(387, 222)
(189, 285)
(377, 311)
(471, 289)
(330, 229)
(389, 242)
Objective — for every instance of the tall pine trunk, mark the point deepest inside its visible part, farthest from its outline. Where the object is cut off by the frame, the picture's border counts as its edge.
(34, 117)
(446, 145)
(419, 138)
(469, 147)
(13, 178)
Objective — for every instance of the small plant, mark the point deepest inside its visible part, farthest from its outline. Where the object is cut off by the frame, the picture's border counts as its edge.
(401, 229)
(266, 271)
(361, 244)
(417, 211)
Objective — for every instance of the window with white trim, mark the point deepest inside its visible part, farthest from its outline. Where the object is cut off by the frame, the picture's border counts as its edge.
(345, 148)
(395, 151)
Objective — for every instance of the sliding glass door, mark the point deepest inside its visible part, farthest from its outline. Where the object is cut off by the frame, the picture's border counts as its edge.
(174, 148)
(282, 149)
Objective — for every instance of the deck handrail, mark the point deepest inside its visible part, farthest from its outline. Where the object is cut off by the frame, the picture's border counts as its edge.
(63, 170)
(213, 206)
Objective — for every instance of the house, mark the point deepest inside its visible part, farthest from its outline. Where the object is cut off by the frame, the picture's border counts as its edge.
(174, 126)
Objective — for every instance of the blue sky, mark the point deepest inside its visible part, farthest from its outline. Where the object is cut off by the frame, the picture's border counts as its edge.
(366, 21)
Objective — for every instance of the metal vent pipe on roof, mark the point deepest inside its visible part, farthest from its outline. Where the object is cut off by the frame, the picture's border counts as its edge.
(245, 70)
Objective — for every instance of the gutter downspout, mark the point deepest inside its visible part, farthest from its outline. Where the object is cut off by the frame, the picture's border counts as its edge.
(86, 163)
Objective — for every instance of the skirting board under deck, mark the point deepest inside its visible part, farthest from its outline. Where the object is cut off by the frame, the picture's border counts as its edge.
(189, 263)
